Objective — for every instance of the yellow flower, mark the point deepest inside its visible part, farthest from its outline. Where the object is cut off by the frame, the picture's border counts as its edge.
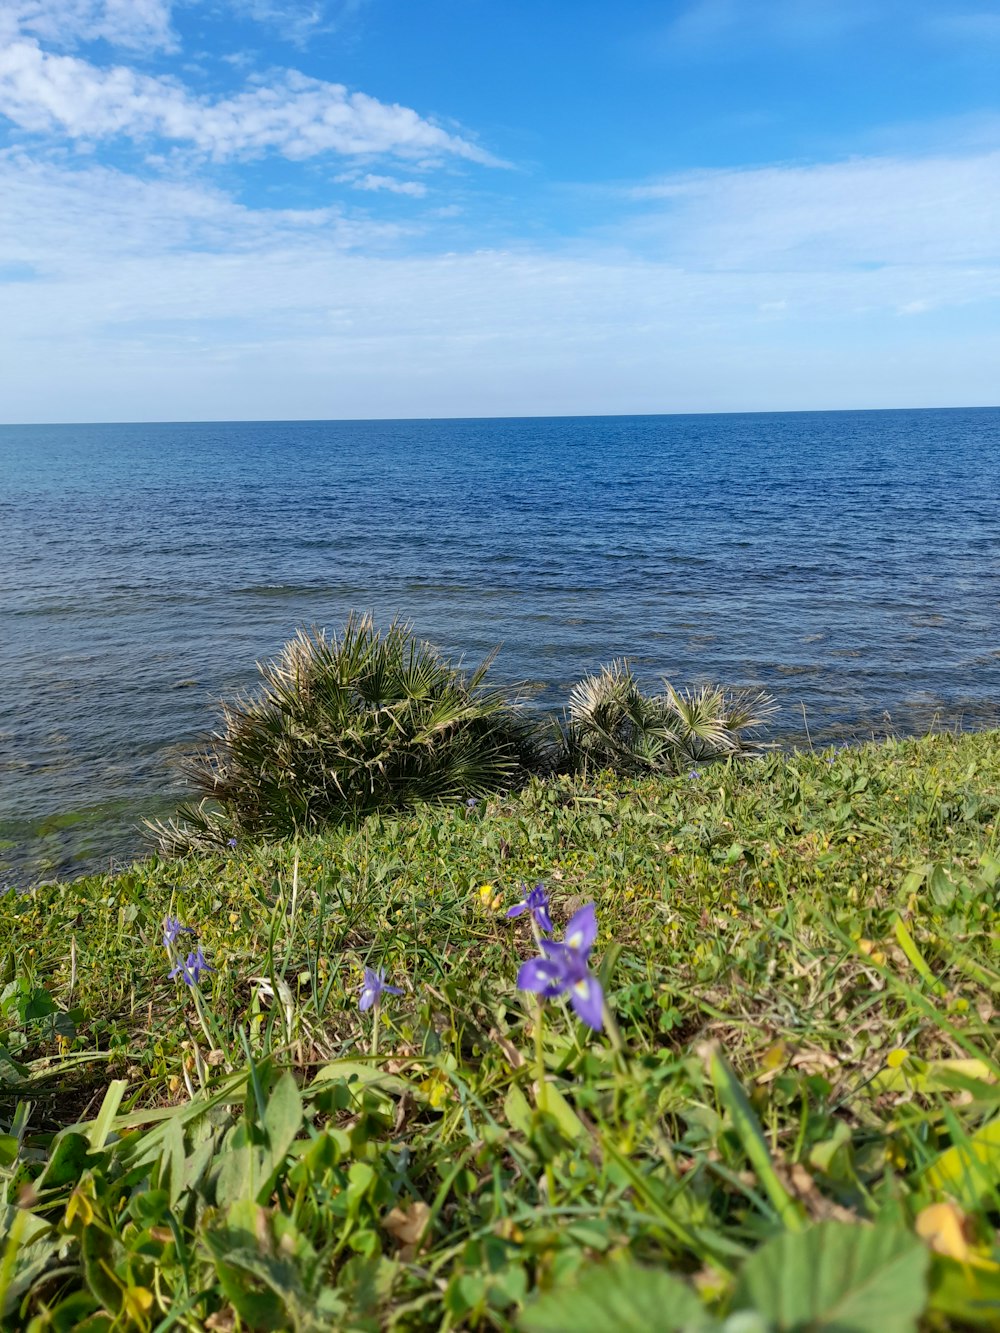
(490, 898)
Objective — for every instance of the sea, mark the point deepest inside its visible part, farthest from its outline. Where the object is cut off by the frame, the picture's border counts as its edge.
(847, 562)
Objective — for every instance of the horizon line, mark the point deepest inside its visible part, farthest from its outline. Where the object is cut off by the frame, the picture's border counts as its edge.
(537, 416)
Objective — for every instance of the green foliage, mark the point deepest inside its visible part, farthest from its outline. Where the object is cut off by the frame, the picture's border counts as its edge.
(612, 724)
(798, 1132)
(344, 726)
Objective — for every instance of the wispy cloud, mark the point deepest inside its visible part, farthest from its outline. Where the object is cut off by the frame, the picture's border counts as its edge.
(296, 116)
(139, 25)
(139, 287)
(714, 27)
(416, 189)
(299, 21)
(875, 211)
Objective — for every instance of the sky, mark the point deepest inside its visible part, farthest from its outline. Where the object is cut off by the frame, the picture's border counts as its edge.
(309, 209)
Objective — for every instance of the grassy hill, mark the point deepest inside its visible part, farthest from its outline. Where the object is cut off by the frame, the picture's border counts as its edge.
(788, 1121)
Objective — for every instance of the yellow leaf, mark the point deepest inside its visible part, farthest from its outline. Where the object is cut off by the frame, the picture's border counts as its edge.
(137, 1301)
(437, 1088)
(872, 951)
(79, 1206)
(942, 1226)
(970, 1169)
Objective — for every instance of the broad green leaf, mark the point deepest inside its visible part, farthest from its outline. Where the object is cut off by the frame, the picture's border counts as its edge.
(67, 1163)
(620, 1297)
(283, 1118)
(517, 1110)
(838, 1277)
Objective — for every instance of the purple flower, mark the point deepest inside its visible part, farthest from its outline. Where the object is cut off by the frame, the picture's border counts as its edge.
(231, 842)
(471, 803)
(563, 970)
(191, 969)
(171, 929)
(373, 988)
(537, 903)
(693, 775)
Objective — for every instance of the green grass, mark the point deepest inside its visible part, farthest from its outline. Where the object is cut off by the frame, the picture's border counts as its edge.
(802, 956)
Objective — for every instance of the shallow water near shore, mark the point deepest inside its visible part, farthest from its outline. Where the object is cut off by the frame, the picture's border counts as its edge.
(847, 562)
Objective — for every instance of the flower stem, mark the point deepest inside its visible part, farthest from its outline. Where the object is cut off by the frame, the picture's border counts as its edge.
(624, 1069)
(543, 1099)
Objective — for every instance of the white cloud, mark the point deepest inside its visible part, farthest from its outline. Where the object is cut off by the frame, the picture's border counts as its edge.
(166, 300)
(298, 21)
(136, 24)
(296, 116)
(876, 211)
(711, 27)
(416, 189)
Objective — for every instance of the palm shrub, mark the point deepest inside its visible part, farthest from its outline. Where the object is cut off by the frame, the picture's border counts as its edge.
(610, 723)
(345, 725)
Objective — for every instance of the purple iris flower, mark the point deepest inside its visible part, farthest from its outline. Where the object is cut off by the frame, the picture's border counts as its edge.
(563, 970)
(171, 929)
(693, 775)
(537, 903)
(191, 969)
(373, 988)
(230, 842)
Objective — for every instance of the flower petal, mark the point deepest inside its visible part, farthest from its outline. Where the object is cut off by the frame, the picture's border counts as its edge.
(543, 920)
(368, 996)
(587, 999)
(541, 975)
(517, 909)
(582, 930)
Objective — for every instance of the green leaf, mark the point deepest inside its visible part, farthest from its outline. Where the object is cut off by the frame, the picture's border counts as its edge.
(969, 1171)
(730, 1093)
(101, 1127)
(282, 1121)
(967, 1293)
(68, 1162)
(622, 1297)
(838, 1277)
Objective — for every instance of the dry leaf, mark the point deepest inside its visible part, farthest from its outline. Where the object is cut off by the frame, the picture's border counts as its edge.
(406, 1225)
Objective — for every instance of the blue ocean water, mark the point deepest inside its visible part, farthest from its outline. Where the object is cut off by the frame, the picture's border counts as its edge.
(847, 562)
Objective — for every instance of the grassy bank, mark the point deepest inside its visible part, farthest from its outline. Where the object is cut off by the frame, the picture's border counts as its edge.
(800, 955)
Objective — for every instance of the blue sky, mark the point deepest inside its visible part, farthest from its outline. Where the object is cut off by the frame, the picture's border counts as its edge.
(219, 209)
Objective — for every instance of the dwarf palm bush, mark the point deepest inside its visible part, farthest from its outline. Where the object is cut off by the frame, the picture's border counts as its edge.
(612, 724)
(345, 725)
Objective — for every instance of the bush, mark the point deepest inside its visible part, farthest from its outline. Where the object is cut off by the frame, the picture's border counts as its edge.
(374, 721)
(612, 724)
(345, 726)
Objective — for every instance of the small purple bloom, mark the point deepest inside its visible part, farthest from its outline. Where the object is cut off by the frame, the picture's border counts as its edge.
(373, 988)
(471, 803)
(191, 969)
(693, 775)
(171, 929)
(231, 842)
(563, 969)
(537, 903)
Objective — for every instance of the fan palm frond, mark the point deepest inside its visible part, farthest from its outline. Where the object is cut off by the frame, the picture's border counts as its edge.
(346, 724)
